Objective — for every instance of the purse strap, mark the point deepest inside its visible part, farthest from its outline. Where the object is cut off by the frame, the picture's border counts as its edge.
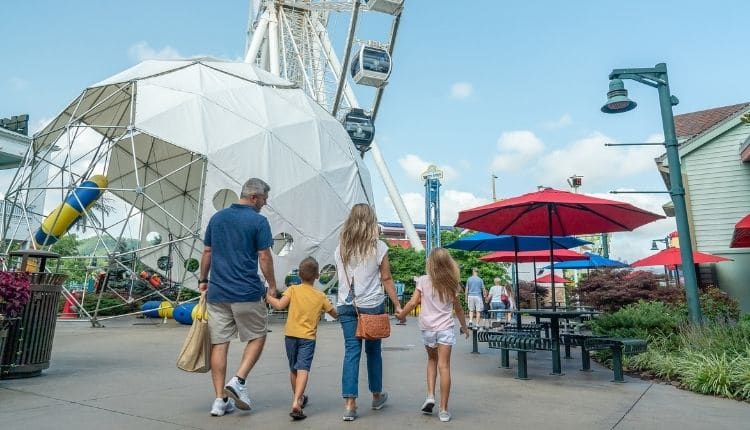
(351, 284)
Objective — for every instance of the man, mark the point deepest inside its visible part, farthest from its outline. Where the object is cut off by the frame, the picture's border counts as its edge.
(237, 239)
(475, 295)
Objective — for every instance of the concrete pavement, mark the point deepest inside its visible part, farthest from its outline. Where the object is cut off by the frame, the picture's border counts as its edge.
(123, 376)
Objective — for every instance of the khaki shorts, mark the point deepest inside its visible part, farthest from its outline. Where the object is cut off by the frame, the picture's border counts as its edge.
(226, 320)
(476, 303)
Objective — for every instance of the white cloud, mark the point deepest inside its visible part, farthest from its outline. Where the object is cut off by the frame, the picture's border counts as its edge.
(462, 90)
(589, 158)
(414, 166)
(561, 122)
(142, 51)
(516, 148)
(451, 203)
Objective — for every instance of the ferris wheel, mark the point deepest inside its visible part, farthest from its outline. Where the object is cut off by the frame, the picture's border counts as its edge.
(291, 39)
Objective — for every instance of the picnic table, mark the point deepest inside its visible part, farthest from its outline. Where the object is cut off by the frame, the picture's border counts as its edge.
(554, 316)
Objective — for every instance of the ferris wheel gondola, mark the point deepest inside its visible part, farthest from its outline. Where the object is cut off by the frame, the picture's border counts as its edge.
(371, 66)
(361, 129)
(391, 7)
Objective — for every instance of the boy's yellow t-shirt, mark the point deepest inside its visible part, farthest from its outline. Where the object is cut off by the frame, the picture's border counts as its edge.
(305, 306)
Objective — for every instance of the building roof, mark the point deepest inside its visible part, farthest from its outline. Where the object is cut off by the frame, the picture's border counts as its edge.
(694, 123)
(398, 225)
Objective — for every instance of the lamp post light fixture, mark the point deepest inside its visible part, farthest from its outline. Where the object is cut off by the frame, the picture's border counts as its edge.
(618, 101)
(665, 241)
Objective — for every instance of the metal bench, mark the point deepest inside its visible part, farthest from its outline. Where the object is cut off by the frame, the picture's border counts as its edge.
(543, 326)
(618, 346)
(519, 341)
(579, 340)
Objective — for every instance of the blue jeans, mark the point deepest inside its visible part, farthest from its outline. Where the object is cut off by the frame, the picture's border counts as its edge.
(353, 350)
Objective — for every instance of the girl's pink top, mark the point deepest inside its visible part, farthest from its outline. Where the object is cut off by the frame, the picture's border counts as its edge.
(434, 315)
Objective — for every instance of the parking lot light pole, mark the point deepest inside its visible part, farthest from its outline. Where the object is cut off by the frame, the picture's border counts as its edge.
(617, 102)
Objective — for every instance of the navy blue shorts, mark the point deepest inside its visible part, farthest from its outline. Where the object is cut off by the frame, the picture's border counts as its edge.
(299, 352)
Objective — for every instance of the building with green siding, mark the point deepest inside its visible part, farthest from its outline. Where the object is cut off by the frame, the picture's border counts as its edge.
(716, 173)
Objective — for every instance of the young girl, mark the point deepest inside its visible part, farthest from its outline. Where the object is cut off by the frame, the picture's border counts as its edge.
(437, 292)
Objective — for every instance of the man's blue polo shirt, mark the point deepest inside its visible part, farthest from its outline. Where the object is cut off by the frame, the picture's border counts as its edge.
(235, 235)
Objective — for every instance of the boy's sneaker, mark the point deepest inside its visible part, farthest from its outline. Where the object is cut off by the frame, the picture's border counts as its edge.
(378, 403)
(428, 405)
(445, 416)
(220, 407)
(238, 393)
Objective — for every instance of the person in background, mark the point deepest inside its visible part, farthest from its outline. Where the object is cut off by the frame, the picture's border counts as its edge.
(437, 293)
(305, 306)
(475, 294)
(364, 273)
(499, 300)
(238, 239)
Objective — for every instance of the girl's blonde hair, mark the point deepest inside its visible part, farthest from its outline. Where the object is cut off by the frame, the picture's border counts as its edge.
(444, 274)
(360, 234)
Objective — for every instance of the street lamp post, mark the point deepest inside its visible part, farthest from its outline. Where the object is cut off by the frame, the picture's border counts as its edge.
(494, 196)
(617, 101)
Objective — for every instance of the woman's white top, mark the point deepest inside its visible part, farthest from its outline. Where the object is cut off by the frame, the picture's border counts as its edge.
(368, 289)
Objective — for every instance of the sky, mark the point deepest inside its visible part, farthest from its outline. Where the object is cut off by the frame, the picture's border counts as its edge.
(478, 87)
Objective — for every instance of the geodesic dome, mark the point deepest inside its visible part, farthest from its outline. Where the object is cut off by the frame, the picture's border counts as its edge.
(176, 140)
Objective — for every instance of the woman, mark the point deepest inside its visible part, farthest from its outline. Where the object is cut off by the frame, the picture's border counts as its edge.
(363, 271)
(499, 298)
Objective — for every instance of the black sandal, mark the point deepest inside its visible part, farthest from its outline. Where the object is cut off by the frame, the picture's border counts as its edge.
(297, 415)
(304, 401)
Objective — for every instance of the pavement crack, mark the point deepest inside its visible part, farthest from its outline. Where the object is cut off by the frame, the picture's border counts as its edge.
(632, 406)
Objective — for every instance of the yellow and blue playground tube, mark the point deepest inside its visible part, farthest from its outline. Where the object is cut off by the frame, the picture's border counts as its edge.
(59, 221)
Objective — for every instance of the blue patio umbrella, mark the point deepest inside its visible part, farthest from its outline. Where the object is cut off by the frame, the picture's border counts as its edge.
(490, 242)
(481, 241)
(595, 261)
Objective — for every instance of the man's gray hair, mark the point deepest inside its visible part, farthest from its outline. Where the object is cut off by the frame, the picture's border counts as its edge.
(254, 186)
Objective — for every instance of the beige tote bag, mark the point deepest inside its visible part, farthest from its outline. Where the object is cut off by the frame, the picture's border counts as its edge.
(195, 355)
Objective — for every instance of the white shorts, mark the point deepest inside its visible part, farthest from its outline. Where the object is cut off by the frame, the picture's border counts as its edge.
(476, 303)
(443, 337)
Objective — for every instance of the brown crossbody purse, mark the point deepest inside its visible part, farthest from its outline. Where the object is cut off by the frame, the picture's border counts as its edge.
(369, 326)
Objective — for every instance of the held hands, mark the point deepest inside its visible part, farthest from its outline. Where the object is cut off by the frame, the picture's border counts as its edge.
(400, 314)
(465, 331)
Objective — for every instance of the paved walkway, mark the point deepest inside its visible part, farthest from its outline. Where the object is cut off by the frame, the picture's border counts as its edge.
(123, 376)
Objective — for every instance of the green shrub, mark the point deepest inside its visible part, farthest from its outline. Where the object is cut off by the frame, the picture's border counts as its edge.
(708, 373)
(644, 320)
(741, 376)
(716, 306)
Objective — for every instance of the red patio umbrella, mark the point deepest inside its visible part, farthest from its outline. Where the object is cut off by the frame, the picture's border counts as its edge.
(554, 213)
(533, 256)
(548, 278)
(741, 236)
(671, 257)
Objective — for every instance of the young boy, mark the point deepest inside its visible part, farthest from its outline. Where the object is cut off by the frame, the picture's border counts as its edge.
(305, 306)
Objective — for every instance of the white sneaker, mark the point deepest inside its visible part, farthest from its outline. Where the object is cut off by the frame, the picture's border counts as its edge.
(220, 407)
(238, 393)
(428, 405)
(445, 416)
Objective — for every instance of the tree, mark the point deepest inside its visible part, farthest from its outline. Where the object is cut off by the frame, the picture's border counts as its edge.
(469, 259)
(75, 268)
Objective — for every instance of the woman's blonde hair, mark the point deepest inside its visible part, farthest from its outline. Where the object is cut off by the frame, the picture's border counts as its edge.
(360, 234)
(444, 274)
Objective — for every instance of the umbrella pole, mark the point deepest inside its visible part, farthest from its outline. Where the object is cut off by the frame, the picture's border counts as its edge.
(517, 294)
(536, 295)
(551, 256)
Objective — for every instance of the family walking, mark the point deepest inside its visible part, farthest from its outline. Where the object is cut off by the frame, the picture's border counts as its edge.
(238, 241)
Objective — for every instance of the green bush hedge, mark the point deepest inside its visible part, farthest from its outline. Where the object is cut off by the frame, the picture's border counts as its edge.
(713, 358)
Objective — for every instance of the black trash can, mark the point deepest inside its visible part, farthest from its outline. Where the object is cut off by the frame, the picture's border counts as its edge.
(28, 345)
